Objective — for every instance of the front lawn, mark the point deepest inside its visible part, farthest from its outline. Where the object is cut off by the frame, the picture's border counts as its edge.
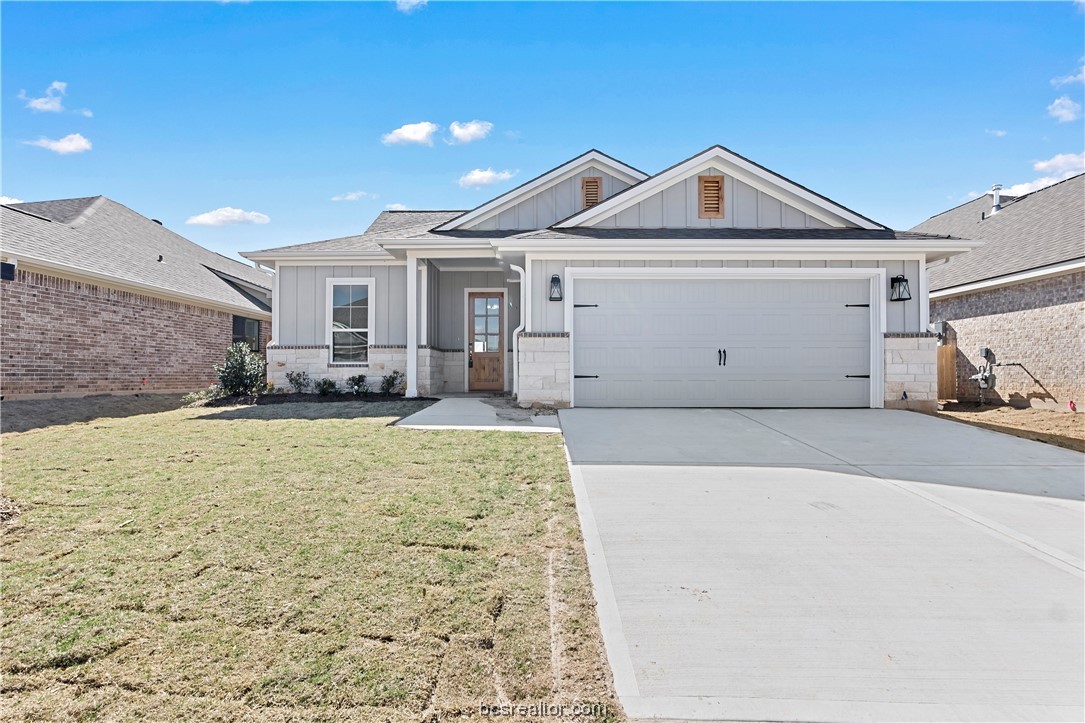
(291, 562)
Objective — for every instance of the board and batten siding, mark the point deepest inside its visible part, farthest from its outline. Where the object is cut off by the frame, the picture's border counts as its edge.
(447, 304)
(302, 302)
(550, 205)
(743, 207)
(549, 316)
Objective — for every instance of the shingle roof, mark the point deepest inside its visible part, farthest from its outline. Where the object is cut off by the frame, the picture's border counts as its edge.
(101, 236)
(1038, 229)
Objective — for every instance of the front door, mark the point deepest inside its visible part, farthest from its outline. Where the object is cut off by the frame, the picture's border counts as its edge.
(486, 341)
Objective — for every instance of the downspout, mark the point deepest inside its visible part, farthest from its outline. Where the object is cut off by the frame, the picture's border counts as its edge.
(516, 334)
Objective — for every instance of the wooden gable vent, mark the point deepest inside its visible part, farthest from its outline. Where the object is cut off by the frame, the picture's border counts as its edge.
(591, 188)
(710, 196)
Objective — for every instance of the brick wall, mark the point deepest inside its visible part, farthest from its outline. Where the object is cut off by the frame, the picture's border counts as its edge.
(60, 337)
(1040, 324)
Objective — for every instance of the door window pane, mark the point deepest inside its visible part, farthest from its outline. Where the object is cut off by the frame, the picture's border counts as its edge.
(492, 324)
(480, 306)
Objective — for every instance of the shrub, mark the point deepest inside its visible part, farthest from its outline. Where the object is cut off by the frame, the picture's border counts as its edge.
(356, 384)
(300, 381)
(195, 399)
(326, 386)
(391, 383)
(242, 374)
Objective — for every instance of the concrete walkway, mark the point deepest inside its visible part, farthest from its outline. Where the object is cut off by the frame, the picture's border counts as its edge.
(483, 414)
(832, 565)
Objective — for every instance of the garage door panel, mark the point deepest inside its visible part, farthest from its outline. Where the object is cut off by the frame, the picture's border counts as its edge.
(789, 342)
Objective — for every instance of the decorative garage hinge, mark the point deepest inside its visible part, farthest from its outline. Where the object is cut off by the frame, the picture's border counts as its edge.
(585, 376)
(866, 306)
(584, 306)
(857, 376)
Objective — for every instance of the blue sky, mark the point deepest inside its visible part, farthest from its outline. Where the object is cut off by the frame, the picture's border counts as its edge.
(895, 110)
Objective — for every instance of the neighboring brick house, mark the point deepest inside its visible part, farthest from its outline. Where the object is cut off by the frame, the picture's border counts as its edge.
(1021, 295)
(96, 298)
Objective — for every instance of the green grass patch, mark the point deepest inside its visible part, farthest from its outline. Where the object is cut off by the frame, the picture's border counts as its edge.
(298, 561)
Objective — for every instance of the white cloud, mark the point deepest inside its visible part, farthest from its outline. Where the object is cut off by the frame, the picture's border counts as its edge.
(1078, 77)
(474, 130)
(51, 102)
(995, 133)
(409, 6)
(1064, 110)
(85, 112)
(227, 216)
(71, 143)
(395, 207)
(421, 133)
(353, 196)
(480, 177)
(8, 199)
(1057, 168)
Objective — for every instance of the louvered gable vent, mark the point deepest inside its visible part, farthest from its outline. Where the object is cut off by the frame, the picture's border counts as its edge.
(592, 190)
(710, 196)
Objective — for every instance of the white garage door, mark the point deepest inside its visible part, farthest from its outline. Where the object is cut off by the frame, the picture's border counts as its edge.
(730, 342)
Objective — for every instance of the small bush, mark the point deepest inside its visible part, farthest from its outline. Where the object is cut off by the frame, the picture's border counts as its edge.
(195, 399)
(242, 374)
(300, 381)
(326, 386)
(392, 383)
(356, 384)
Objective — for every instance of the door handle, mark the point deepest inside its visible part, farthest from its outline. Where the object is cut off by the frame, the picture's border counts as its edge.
(723, 357)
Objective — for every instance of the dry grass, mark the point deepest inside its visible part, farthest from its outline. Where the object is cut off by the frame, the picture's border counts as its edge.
(291, 562)
(1064, 429)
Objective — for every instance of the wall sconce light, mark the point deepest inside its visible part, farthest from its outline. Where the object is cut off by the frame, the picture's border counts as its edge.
(555, 288)
(898, 289)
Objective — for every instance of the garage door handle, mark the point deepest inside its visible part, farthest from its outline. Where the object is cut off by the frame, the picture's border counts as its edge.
(857, 376)
(723, 357)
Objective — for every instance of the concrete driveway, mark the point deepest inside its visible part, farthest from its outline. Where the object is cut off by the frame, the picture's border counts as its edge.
(832, 565)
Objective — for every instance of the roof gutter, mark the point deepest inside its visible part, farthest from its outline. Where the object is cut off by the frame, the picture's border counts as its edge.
(1044, 272)
(136, 286)
(730, 246)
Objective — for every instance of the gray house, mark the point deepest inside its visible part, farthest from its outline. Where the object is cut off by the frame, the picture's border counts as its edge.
(1020, 296)
(715, 282)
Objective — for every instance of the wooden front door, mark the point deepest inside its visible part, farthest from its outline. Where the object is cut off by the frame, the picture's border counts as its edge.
(485, 341)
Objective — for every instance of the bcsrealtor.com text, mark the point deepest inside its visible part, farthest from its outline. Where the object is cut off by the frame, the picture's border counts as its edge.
(543, 710)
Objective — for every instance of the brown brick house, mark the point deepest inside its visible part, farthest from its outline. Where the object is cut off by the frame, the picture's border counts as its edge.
(1021, 295)
(95, 298)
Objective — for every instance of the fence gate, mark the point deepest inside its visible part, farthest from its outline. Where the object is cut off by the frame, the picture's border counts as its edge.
(947, 371)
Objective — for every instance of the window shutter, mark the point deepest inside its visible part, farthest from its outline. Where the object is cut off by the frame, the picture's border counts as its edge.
(710, 196)
(592, 190)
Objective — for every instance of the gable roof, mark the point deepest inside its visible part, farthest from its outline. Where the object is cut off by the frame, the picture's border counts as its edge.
(1032, 231)
(544, 180)
(740, 167)
(103, 239)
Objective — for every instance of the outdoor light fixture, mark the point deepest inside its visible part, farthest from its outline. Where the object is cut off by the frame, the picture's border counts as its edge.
(555, 288)
(898, 289)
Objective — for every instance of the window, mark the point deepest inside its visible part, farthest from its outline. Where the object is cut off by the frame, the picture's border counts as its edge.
(591, 189)
(349, 327)
(710, 197)
(248, 331)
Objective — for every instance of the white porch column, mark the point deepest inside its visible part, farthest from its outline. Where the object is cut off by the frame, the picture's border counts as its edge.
(423, 323)
(412, 326)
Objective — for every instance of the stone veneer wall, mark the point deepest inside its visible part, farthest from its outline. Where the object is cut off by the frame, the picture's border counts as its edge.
(65, 338)
(544, 370)
(1039, 324)
(314, 360)
(911, 367)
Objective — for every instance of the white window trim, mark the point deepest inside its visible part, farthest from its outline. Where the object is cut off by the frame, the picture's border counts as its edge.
(875, 276)
(371, 333)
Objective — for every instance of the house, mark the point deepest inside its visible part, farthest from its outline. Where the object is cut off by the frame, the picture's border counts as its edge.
(714, 282)
(1020, 296)
(97, 298)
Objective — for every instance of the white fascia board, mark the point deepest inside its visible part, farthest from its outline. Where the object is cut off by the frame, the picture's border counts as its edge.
(878, 248)
(113, 282)
(741, 169)
(1066, 267)
(311, 258)
(566, 170)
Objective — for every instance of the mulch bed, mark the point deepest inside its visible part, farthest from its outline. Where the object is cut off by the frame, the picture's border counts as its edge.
(310, 398)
